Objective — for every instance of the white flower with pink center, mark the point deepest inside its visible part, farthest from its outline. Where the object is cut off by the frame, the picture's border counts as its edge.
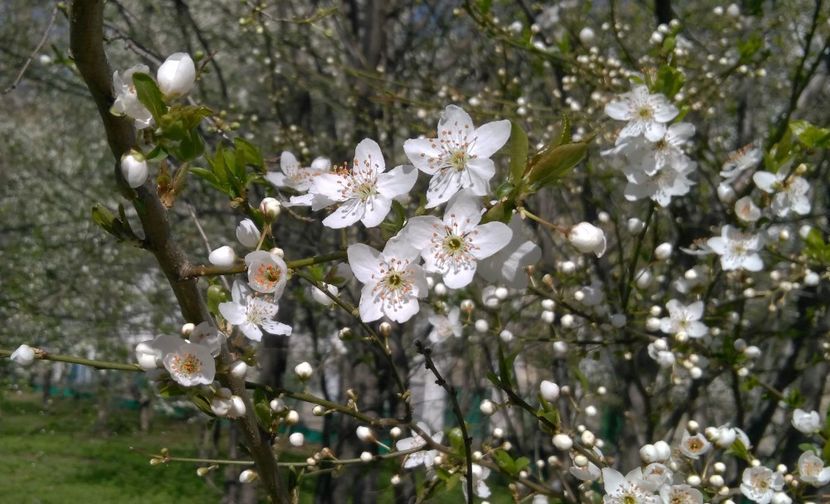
(365, 192)
(453, 246)
(460, 157)
(393, 280)
(267, 273)
(190, 365)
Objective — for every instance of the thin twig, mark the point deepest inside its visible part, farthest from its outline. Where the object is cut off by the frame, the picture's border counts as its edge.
(31, 57)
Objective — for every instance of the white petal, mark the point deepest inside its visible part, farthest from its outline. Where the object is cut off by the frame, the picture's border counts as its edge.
(463, 212)
(329, 185)
(403, 311)
(370, 306)
(480, 172)
(489, 238)
(420, 230)
(420, 151)
(346, 214)
(442, 187)
(455, 125)
(397, 181)
(619, 110)
(251, 331)
(368, 157)
(612, 480)
(459, 278)
(695, 310)
(399, 247)
(364, 261)
(489, 138)
(663, 110)
(277, 179)
(654, 130)
(753, 263)
(765, 181)
(274, 327)
(376, 209)
(233, 312)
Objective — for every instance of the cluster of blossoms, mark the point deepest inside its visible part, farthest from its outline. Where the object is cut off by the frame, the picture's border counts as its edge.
(648, 150)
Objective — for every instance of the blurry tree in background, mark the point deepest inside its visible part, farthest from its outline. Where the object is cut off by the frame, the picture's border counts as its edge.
(315, 78)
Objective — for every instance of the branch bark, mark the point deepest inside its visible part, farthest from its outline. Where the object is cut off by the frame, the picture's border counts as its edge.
(87, 45)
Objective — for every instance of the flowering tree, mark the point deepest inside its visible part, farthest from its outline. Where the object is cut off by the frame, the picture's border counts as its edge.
(615, 274)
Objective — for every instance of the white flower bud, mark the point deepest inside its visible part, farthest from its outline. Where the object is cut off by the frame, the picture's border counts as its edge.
(277, 405)
(716, 480)
(145, 354)
(548, 304)
(248, 476)
(239, 369)
(177, 75)
(303, 371)
(296, 439)
(25, 355)
(663, 251)
(501, 293)
(563, 442)
(663, 450)
(223, 256)
(482, 326)
(580, 460)
(693, 480)
(395, 480)
(365, 434)
(237, 408)
(548, 317)
(440, 289)
(187, 329)
(549, 390)
(560, 348)
(487, 407)
(248, 234)
(134, 168)
(366, 457)
(467, 306)
(652, 324)
(618, 320)
(586, 36)
(292, 417)
(725, 193)
(318, 410)
(506, 336)
(395, 432)
(649, 454)
(568, 267)
(588, 438)
(587, 238)
(270, 208)
(321, 297)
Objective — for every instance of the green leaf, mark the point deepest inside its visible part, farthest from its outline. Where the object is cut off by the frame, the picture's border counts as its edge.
(505, 462)
(669, 81)
(811, 136)
(517, 146)
(553, 163)
(749, 46)
(248, 154)
(149, 95)
(103, 217)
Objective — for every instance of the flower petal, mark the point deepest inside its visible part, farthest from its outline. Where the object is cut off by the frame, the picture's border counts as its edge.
(376, 209)
(490, 238)
(346, 214)
(364, 261)
(424, 153)
(397, 181)
(489, 138)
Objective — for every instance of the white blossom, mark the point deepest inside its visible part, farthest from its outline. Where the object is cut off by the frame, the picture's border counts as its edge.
(423, 457)
(453, 246)
(587, 238)
(680, 494)
(807, 422)
(267, 272)
(811, 469)
(126, 99)
(507, 267)
(459, 157)
(190, 364)
(366, 192)
(177, 75)
(393, 281)
(444, 326)
(645, 113)
(745, 157)
(24, 355)
(790, 192)
(134, 168)
(737, 250)
(685, 318)
(252, 313)
(625, 490)
(297, 177)
(693, 446)
(759, 483)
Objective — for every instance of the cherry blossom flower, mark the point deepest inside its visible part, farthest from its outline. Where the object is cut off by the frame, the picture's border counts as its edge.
(393, 281)
(587, 238)
(811, 469)
(248, 234)
(745, 157)
(416, 441)
(252, 313)
(790, 192)
(126, 99)
(480, 488)
(651, 157)
(737, 250)
(647, 114)
(366, 192)
(460, 157)
(758, 484)
(806, 422)
(693, 446)
(206, 334)
(655, 476)
(625, 490)
(294, 176)
(444, 326)
(680, 494)
(453, 246)
(662, 186)
(507, 267)
(150, 354)
(190, 364)
(267, 272)
(746, 210)
(685, 318)
(177, 75)
(24, 355)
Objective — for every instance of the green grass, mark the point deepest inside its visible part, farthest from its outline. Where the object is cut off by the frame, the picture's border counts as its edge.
(55, 455)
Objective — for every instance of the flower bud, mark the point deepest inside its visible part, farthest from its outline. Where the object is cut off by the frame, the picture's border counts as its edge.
(648, 453)
(365, 434)
(187, 329)
(587, 238)
(506, 336)
(177, 75)
(239, 369)
(134, 168)
(248, 476)
(482, 326)
(292, 417)
(223, 256)
(24, 355)
(277, 405)
(487, 407)
(321, 297)
(296, 439)
(663, 251)
(586, 36)
(146, 355)
(238, 408)
(303, 371)
(663, 450)
(270, 208)
(247, 234)
(395, 432)
(549, 391)
(366, 457)
(563, 442)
